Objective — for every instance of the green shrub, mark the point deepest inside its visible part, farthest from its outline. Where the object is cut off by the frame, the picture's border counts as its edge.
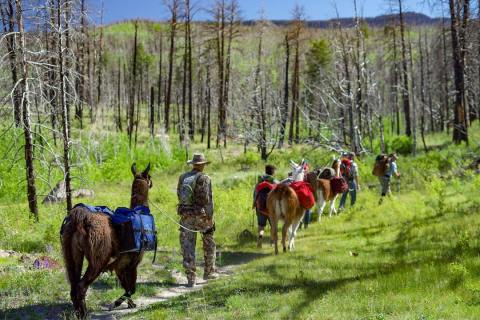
(400, 144)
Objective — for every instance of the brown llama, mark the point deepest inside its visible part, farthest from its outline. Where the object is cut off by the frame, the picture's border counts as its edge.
(323, 190)
(91, 236)
(283, 204)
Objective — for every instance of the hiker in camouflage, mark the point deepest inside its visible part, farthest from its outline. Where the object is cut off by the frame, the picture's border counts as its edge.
(195, 208)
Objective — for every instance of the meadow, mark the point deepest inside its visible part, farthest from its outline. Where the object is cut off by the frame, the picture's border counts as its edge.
(416, 256)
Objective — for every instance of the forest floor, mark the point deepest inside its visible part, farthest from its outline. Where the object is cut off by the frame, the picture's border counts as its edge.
(417, 256)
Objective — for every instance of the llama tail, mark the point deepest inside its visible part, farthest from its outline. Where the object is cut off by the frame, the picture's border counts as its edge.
(71, 234)
(279, 201)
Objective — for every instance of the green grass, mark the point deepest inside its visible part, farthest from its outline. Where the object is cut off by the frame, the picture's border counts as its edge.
(418, 252)
(414, 262)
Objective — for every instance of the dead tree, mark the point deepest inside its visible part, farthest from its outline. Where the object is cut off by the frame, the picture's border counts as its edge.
(405, 90)
(284, 110)
(160, 77)
(119, 97)
(25, 103)
(295, 114)
(8, 21)
(100, 61)
(173, 7)
(63, 15)
(458, 30)
(133, 87)
(152, 112)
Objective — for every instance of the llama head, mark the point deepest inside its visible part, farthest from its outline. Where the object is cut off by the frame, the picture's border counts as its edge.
(142, 181)
(298, 170)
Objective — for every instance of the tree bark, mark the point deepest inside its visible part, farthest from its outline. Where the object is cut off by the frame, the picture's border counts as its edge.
(8, 21)
(460, 132)
(173, 25)
(119, 97)
(25, 103)
(152, 112)
(133, 85)
(63, 97)
(286, 88)
(405, 91)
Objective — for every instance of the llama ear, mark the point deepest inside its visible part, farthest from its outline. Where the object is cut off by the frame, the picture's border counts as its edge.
(134, 169)
(147, 169)
(293, 164)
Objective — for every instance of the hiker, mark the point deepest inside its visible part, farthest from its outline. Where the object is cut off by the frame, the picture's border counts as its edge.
(262, 188)
(307, 218)
(390, 170)
(349, 171)
(195, 208)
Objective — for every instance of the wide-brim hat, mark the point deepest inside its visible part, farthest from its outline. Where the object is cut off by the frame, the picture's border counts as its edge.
(198, 158)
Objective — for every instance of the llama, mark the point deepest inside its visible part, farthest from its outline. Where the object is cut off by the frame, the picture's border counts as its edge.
(283, 204)
(91, 235)
(323, 190)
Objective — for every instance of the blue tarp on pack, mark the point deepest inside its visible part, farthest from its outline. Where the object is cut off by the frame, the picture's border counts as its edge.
(135, 228)
(100, 209)
(143, 225)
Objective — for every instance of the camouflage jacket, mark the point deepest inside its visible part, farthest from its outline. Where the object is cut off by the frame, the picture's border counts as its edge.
(202, 195)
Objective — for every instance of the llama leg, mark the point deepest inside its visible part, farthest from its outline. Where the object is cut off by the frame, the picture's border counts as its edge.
(293, 234)
(332, 205)
(73, 263)
(320, 204)
(128, 280)
(90, 275)
(273, 231)
(286, 227)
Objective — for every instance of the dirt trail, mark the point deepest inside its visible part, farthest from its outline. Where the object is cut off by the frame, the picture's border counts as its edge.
(232, 260)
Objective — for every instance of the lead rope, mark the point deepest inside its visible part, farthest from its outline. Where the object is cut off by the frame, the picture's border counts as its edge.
(175, 222)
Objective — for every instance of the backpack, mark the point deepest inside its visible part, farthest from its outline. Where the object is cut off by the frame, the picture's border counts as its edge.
(262, 190)
(135, 228)
(186, 191)
(304, 193)
(381, 165)
(338, 185)
(346, 169)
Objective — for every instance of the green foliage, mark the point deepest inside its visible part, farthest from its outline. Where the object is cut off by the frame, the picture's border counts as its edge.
(457, 273)
(318, 57)
(400, 144)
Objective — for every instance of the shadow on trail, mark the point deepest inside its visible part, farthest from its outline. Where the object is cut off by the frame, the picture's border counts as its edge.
(235, 258)
(46, 311)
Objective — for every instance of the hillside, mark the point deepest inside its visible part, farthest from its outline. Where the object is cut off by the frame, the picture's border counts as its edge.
(411, 18)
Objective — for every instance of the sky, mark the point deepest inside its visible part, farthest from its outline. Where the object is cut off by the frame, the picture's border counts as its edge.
(115, 10)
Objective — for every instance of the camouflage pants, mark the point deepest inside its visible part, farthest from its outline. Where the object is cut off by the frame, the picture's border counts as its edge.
(385, 185)
(188, 241)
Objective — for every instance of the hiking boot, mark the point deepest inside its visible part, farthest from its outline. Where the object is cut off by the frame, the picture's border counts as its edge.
(211, 276)
(191, 283)
(259, 242)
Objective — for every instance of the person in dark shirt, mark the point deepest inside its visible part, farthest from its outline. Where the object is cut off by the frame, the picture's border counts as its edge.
(262, 215)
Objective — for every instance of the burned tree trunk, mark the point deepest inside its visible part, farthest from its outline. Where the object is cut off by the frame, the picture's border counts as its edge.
(64, 99)
(191, 123)
(405, 90)
(119, 97)
(133, 86)
(173, 7)
(160, 78)
(25, 103)
(8, 21)
(460, 132)
(284, 109)
(152, 112)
